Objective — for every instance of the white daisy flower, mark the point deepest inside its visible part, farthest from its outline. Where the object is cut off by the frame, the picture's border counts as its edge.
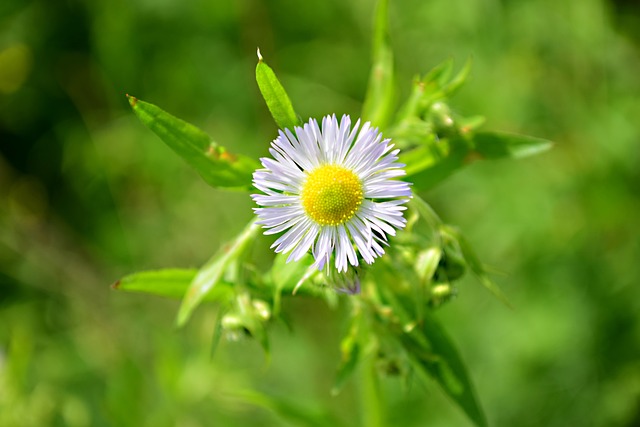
(329, 190)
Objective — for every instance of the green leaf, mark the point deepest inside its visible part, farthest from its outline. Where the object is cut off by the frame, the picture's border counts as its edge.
(284, 276)
(275, 96)
(290, 409)
(432, 353)
(427, 262)
(347, 366)
(417, 159)
(218, 167)
(437, 82)
(211, 274)
(475, 265)
(171, 283)
(378, 103)
(350, 351)
(437, 172)
(439, 75)
(217, 333)
(443, 362)
(456, 83)
(425, 171)
(425, 211)
(433, 87)
(467, 124)
(413, 107)
(498, 145)
(251, 320)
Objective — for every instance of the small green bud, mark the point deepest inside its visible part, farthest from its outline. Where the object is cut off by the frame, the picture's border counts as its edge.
(233, 327)
(442, 119)
(442, 290)
(390, 365)
(231, 321)
(441, 293)
(347, 282)
(450, 268)
(262, 309)
(452, 264)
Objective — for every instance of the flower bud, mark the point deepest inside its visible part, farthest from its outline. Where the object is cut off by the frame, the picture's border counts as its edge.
(441, 293)
(347, 282)
(233, 327)
(262, 309)
(442, 119)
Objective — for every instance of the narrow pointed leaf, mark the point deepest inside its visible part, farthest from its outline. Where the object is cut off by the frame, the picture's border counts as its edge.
(470, 123)
(290, 409)
(438, 171)
(444, 364)
(439, 75)
(378, 103)
(284, 276)
(211, 274)
(417, 160)
(476, 267)
(171, 283)
(411, 109)
(218, 167)
(276, 97)
(425, 211)
(432, 353)
(251, 320)
(498, 145)
(427, 263)
(350, 351)
(457, 82)
(346, 368)
(217, 333)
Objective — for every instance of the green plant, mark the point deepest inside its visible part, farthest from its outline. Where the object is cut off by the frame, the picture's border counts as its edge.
(392, 327)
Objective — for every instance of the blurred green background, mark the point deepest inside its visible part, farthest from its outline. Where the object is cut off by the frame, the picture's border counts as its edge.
(88, 194)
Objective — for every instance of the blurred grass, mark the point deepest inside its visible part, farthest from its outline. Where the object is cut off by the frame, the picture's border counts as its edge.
(87, 195)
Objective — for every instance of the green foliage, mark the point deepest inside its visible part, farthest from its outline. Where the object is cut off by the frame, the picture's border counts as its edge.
(495, 145)
(289, 409)
(435, 144)
(351, 349)
(213, 272)
(408, 322)
(474, 264)
(87, 196)
(172, 283)
(275, 96)
(218, 167)
(432, 353)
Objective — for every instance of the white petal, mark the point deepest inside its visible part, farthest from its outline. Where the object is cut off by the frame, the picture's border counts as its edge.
(305, 244)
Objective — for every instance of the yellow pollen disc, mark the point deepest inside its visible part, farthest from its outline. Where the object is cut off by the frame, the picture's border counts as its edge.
(331, 194)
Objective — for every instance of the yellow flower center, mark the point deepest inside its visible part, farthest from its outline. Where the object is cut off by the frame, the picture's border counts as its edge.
(331, 195)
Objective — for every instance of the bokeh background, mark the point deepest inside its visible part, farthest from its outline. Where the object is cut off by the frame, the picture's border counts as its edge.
(88, 194)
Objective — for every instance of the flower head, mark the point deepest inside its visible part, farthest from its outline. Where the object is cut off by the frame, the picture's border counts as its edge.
(331, 189)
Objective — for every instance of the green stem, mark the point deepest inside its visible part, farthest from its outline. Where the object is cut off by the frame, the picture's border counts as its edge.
(371, 399)
(372, 404)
